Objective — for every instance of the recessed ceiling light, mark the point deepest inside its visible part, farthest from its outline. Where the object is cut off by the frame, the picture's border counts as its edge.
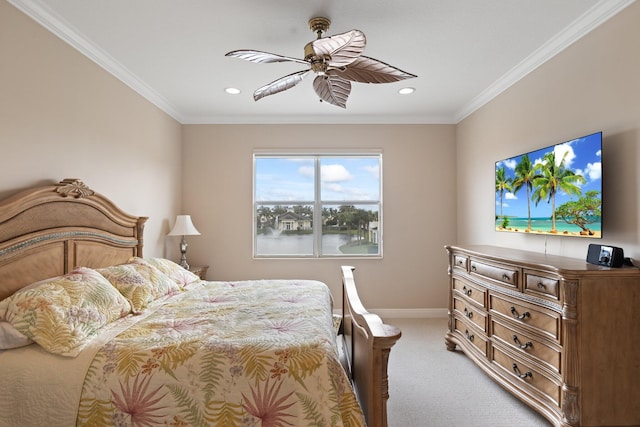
(406, 90)
(232, 91)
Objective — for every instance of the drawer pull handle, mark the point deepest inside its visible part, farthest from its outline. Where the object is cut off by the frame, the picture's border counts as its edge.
(466, 291)
(517, 371)
(506, 277)
(470, 337)
(541, 285)
(522, 316)
(460, 262)
(473, 267)
(519, 344)
(468, 313)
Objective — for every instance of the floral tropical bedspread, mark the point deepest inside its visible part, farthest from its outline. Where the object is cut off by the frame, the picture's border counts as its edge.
(249, 353)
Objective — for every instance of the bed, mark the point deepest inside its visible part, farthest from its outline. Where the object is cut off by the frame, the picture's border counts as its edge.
(123, 339)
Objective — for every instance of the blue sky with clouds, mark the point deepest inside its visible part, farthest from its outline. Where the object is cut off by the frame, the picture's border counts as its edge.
(343, 178)
(583, 156)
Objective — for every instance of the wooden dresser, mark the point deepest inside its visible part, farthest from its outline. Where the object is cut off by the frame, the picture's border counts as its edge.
(558, 333)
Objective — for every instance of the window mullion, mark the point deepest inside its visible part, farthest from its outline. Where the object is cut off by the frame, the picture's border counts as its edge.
(317, 209)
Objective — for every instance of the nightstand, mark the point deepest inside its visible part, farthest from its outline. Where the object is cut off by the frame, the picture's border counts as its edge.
(200, 271)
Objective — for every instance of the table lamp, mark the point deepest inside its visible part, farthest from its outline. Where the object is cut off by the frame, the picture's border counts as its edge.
(183, 227)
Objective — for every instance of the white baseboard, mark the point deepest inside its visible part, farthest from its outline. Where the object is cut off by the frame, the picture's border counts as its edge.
(407, 313)
(411, 313)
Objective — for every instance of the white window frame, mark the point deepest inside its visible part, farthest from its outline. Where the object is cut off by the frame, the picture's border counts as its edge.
(317, 203)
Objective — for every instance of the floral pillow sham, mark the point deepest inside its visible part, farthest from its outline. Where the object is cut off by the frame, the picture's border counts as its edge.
(141, 284)
(180, 275)
(63, 314)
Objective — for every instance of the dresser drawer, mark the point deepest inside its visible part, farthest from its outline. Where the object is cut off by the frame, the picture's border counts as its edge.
(473, 336)
(546, 287)
(474, 292)
(526, 344)
(522, 372)
(471, 312)
(460, 261)
(538, 320)
(503, 275)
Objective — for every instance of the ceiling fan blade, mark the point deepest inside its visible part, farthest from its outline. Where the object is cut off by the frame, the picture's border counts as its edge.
(332, 89)
(370, 70)
(282, 84)
(343, 48)
(262, 57)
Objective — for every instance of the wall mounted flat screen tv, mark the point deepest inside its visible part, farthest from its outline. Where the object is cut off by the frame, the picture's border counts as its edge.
(556, 190)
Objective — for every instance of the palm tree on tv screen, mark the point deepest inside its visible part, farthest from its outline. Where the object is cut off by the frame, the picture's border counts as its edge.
(525, 174)
(503, 183)
(555, 177)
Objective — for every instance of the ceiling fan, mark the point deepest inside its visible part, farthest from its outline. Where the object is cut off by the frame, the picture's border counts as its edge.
(337, 60)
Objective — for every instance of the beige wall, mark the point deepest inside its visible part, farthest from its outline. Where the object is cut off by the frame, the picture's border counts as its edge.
(62, 116)
(419, 207)
(594, 85)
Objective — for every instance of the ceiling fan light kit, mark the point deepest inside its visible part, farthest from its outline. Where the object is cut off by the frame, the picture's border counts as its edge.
(336, 60)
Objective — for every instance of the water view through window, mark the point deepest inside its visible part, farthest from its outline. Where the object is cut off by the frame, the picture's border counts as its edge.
(313, 206)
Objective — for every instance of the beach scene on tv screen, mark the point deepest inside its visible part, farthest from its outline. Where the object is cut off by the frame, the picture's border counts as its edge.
(556, 190)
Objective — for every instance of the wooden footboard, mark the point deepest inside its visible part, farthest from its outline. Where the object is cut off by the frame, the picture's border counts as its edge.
(367, 342)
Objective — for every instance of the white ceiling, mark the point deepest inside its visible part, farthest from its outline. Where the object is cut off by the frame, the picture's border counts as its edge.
(465, 52)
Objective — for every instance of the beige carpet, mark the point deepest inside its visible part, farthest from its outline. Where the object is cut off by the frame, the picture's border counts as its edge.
(430, 386)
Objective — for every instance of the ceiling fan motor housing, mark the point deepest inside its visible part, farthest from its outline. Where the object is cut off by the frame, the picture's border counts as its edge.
(318, 63)
(318, 25)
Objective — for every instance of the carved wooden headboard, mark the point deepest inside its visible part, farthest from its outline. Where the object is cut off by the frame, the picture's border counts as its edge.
(47, 231)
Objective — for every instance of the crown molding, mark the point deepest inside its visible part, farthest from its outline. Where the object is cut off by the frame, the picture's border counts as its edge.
(317, 119)
(44, 16)
(591, 19)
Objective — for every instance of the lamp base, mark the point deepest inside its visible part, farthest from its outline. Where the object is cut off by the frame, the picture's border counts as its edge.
(183, 251)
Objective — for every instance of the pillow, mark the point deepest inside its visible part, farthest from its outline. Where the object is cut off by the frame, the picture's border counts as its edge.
(141, 284)
(64, 313)
(181, 275)
(10, 337)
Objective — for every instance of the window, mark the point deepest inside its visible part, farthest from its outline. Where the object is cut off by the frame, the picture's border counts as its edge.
(317, 205)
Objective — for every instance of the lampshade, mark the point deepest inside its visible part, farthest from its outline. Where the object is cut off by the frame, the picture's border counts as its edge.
(183, 227)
